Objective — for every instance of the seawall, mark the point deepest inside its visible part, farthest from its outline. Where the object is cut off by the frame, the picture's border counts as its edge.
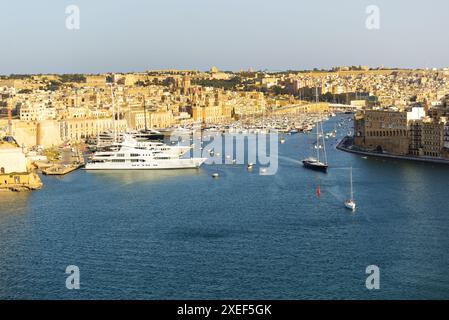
(347, 145)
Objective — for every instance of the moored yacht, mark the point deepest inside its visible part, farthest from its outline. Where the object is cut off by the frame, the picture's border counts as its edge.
(108, 137)
(131, 154)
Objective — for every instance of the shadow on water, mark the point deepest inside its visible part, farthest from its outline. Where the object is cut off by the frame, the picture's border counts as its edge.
(13, 202)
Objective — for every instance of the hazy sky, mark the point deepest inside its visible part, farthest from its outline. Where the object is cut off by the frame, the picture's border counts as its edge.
(136, 35)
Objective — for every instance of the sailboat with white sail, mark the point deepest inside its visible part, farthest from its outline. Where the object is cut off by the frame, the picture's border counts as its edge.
(350, 203)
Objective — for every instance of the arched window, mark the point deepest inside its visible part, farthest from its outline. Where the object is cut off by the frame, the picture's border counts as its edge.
(2, 170)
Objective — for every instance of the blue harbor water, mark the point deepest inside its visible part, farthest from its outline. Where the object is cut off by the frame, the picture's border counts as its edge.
(184, 235)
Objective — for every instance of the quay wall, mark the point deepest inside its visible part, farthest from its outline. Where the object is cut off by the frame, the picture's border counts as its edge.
(20, 182)
(346, 146)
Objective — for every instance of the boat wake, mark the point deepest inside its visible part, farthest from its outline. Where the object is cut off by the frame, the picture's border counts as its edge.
(291, 160)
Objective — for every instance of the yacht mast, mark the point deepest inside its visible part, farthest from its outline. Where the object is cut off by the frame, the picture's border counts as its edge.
(352, 192)
(97, 124)
(128, 107)
(113, 115)
(317, 130)
(145, 113)
(263, 115)
(324, 143)
(320, 131)
(118, 111)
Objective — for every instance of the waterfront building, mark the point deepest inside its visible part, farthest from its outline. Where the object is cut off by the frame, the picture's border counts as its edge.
(48, 134)
(402, 132)
(12, 158)
(446, 135)
(78, 130)
(298, 108)
(433, 137)
(15, 171)
(386, 130)
(156, 119)
(25, 133)
(415, 136)
(208, 114)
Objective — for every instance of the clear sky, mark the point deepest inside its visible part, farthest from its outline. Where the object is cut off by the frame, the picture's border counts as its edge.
(137, 35)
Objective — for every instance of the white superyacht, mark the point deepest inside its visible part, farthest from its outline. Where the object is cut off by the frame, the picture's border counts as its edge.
(131, 154)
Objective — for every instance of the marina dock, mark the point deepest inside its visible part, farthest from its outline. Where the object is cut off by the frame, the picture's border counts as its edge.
(71, 163)
(60, 170)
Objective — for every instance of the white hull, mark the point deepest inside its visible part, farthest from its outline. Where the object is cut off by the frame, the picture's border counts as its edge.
(350, 205)
(152, 165)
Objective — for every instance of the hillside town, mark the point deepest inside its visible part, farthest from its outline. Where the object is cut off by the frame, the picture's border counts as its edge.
(48, 110)
(399, 112)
